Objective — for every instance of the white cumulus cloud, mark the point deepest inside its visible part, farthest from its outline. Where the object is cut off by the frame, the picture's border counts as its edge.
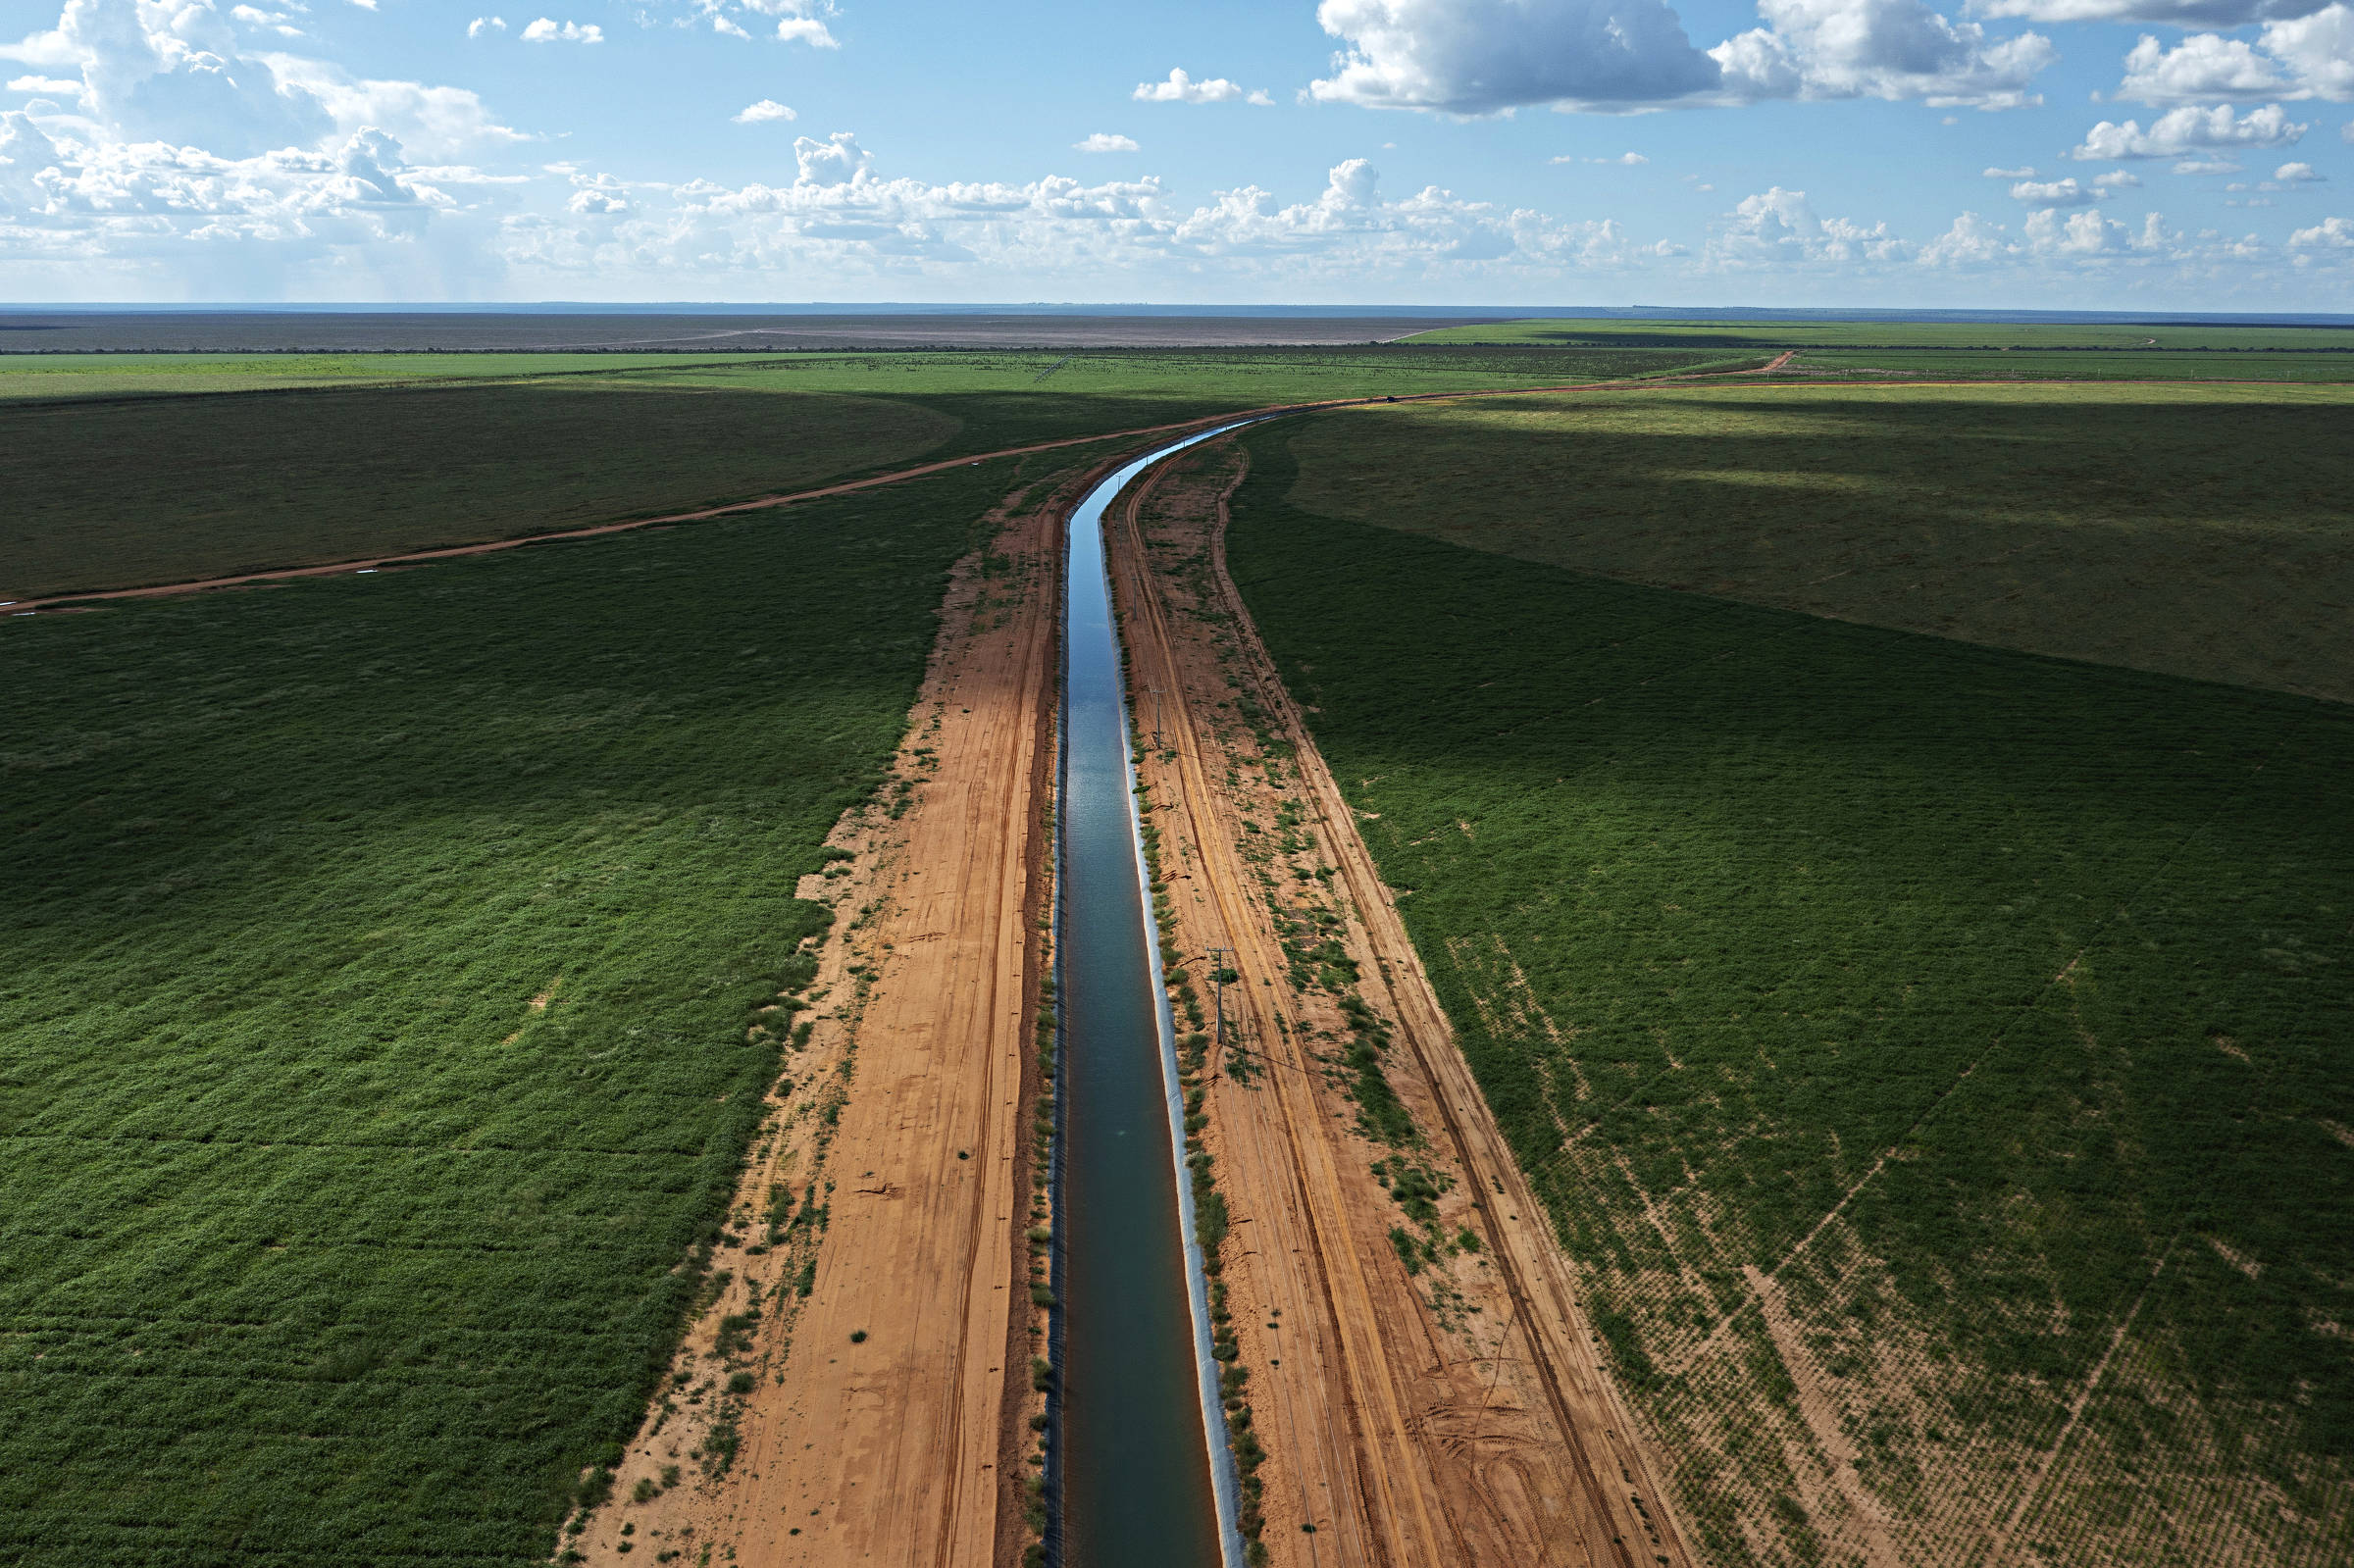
(767, 109)
(1478, 57)
(1105, 141)
(2330, 233)
(2055, 193)
(1779, 228)
(482, 24)
(2190, 129)
(2304, 57)
(1887, 49)
(546, 29)
(793, 20)
(2173, 13)
(1183, 88)
(2023, 173)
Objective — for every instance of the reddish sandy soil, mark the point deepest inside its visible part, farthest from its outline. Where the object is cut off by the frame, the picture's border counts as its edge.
(1457, 1416)
(894, 1450)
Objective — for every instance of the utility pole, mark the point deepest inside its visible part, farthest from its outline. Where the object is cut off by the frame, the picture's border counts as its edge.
(1155, 690)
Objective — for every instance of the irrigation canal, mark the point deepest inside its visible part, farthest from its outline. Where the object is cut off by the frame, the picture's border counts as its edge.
(1140, 1482)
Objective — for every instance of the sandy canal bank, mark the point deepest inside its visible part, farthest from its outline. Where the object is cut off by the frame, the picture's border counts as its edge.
(1457, 1413)
(881, 1343)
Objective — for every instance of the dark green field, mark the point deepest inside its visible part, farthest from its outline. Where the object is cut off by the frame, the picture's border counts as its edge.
(1961, 350)
(322, 1244)
(1927, 1028)
(163, 490)
(112, 484)
(1597, 332)
(2259, 364)
(2195, 530)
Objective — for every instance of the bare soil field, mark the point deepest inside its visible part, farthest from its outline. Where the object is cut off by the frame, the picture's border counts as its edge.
(1419, 1404)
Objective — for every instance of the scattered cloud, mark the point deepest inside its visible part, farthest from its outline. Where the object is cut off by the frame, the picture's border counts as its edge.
(1183, 88)
(2303, 57)
(795, 20)
(2055, 193)
(546, 29)
(2172, 13)
(1779, 227)
(1625, 160)
(1971, 241)
(191, 152)
(2207, 164)
(1478, 57)
(2087, 244)
(1482, 57)
(597, 196)
(2188, 130)
(1887, 49)
(279, 22)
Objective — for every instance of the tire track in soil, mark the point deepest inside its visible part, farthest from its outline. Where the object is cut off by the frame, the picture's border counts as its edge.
(893, 1450)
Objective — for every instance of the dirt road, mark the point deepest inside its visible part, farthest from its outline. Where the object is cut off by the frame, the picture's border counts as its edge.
(879, 1425)
(408, 558)
(1451, 1414)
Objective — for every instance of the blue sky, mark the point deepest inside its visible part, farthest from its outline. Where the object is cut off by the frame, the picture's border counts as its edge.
(2126, 153)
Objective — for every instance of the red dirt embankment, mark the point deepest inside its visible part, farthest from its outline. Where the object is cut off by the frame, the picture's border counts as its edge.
(890, 1448)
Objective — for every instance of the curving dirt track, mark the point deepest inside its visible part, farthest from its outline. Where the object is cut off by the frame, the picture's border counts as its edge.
(1457, 1416)
(406, 558)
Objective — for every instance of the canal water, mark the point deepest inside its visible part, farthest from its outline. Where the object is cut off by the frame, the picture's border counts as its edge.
(1140, 1482)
